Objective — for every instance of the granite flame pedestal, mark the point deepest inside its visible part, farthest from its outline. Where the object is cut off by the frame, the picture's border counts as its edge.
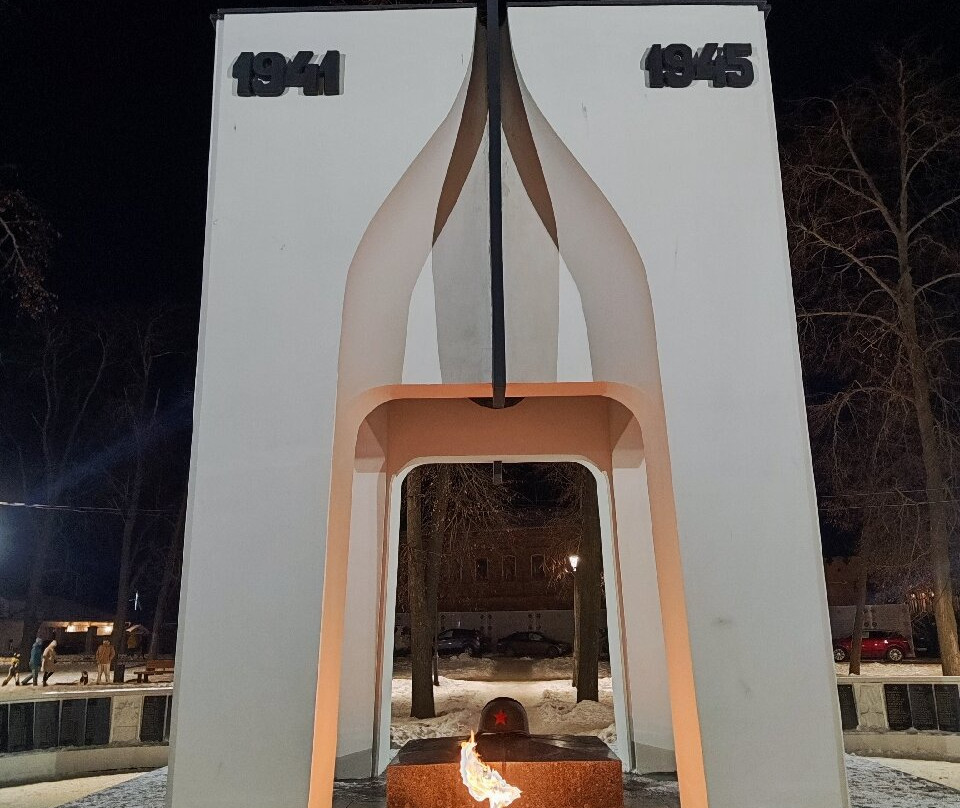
(552, 771)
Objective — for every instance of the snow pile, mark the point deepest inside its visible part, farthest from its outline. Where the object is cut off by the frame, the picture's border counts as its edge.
(447, 725)
(558, 713)
(467, 668)
(892, 669)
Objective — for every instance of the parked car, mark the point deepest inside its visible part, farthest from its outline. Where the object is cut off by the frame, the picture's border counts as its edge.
(876, 645)
(459, 641)
(532, 643)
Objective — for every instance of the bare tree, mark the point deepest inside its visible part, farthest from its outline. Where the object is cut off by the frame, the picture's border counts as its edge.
(59, 374)
(872, 182)
(138, 412)
(575, 520)
(25, 241)
(171, 572)
(423, 569)
(452, 510)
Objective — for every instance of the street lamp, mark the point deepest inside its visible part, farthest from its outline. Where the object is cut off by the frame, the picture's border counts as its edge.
(574, 560)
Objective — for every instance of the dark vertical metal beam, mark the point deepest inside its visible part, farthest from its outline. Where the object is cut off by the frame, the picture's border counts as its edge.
(498, 329)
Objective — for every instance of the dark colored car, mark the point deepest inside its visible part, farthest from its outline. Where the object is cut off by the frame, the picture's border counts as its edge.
(876, 645)
(532, 643)
(458, 641)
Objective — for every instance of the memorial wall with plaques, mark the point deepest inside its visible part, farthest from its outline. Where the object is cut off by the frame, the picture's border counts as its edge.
(52, 723)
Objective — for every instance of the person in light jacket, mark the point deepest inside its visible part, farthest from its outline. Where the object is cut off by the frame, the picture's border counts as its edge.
(49, 664)
(105, 654)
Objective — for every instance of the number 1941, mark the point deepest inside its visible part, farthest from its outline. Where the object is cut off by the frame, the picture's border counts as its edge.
(678, 66)
(269, 74)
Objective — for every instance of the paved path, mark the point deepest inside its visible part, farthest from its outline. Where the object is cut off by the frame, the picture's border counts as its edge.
(49, 795)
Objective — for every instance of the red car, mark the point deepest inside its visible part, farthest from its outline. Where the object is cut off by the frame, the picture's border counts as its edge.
(876, 645)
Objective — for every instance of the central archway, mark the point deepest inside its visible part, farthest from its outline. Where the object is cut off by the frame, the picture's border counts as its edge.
(583, 427)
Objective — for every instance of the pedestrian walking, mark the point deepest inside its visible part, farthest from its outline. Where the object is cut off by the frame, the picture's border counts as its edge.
(104, 656)
(49, 661)
(14, 671)
(36, 662)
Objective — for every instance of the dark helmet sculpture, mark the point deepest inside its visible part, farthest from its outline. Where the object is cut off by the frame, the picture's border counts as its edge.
(503, 715)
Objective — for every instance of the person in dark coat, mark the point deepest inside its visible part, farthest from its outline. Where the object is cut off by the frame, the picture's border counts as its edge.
(36, 662)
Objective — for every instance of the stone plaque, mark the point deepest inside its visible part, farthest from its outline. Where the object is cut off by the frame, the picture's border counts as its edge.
(922, 706)
(948, 707)
(3, 727)
(871, 708)
(848, 707)
(46, 724)
(153, 719)
(898, 706)
(73, 719)
(168, 723)
(20, 727)
(125, 719)
(97, 732)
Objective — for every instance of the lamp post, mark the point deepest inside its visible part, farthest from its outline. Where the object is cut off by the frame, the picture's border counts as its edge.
(574, 560)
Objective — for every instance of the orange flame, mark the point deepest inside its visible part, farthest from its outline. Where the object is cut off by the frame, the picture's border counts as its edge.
(481, 781)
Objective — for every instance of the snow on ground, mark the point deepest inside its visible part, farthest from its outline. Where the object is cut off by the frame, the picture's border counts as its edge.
(551, 708)
(65, 680)
(146, 791)
(48, 795)
(939, 771)
(892, 669)
(872, 785)
(542, 686)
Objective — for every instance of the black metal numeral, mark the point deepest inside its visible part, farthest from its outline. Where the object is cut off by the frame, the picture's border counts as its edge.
(268, 74)
(243, 73)
(300, 73)
(739, 66)
(654, 66)
(677, 65)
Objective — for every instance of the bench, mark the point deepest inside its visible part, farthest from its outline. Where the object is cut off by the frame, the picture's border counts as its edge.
(154, 668)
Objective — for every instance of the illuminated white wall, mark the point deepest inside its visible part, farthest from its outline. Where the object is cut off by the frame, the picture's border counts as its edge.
(645, 262)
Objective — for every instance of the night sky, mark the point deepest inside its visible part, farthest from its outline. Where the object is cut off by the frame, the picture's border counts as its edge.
(105, 116)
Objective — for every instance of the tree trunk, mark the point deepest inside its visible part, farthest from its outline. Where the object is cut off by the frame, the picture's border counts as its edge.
(171, 567)
(937, 492)
(589, 572)
(856, 640)
(576, 628)
(421, 612)
(31, 612)
(118, 635)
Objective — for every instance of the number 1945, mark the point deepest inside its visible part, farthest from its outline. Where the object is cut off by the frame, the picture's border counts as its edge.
(678, 66)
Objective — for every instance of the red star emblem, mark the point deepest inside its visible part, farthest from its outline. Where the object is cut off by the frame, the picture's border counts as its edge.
(500, 717)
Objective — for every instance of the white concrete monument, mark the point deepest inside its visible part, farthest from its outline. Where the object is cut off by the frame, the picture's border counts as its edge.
(579, 223)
